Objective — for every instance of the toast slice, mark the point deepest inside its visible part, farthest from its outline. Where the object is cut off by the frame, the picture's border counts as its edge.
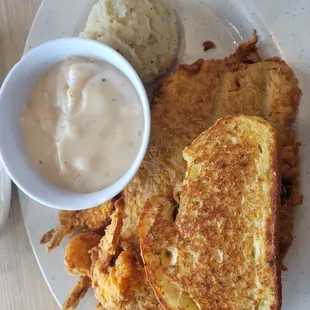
(219, 248)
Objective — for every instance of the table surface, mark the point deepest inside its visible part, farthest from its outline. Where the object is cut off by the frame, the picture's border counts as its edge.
(22, 286)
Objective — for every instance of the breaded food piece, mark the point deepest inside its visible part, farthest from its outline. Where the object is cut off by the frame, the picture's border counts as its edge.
(77, 293)
(102, 255)
(123, 285)
(88, 253)
(78, 262)
(221, 249)
(77, 256)
(94, 219)
(117, 273)
(192, 99)
(100, 307)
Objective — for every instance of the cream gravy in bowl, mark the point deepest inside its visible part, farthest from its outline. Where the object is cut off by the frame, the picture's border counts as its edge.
(84, 124)
(73, 129)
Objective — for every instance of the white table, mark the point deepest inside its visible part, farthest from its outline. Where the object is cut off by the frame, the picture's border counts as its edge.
(22, 286)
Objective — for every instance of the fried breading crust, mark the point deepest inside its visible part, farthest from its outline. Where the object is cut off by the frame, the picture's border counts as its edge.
(117, 273)
(94, 219)
(77, 256)
(192, 99)
(77, 293)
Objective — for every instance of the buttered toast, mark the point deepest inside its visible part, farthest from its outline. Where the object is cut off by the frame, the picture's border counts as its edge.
(218, 248)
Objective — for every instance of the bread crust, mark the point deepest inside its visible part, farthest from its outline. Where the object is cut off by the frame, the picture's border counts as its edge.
(222, 247)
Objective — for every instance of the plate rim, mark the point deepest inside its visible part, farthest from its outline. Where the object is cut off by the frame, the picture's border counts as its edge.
(7, 196)
(20, 193)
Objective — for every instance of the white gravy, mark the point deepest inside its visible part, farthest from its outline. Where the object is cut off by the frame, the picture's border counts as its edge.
(83, 125)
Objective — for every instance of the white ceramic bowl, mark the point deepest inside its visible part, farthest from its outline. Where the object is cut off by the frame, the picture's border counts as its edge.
(5, 196)
(15, 94)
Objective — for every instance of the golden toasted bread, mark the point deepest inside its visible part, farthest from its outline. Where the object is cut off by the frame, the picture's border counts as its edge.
(219, 248)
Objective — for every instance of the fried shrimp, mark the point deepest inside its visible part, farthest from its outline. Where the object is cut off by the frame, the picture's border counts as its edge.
(94, 219)
(77, 257)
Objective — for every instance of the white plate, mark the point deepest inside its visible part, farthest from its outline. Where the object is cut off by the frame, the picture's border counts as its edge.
(283, 30)
(5, 195)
